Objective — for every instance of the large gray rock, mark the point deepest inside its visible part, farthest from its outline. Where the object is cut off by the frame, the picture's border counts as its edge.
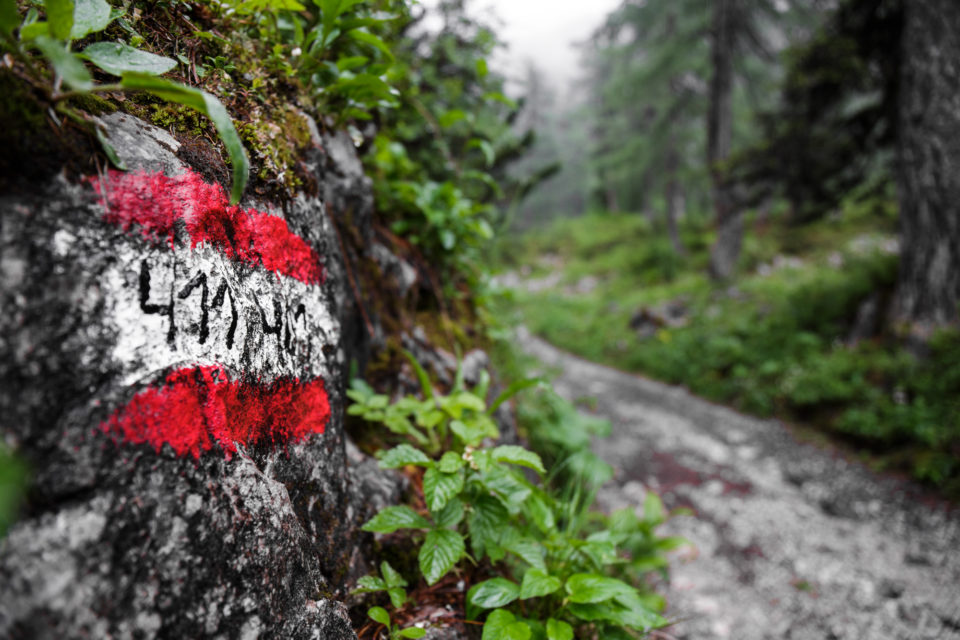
(172, 370)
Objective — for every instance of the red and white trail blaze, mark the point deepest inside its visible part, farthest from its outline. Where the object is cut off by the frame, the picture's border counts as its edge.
(197, 408)
(154, 203)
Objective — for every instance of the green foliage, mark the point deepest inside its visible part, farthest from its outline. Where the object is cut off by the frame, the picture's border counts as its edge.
(69, 21)
(550, 573)
(391, 582)
(13, 483)
(774, 344)
(379, 614)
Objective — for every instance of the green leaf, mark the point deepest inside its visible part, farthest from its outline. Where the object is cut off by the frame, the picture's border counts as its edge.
(59, 18)
(368, 584)
(511, 391)
(504, 483)
(537, 582)
(116, 58)
(617, 614)
(439, 487)
(451, 514)
(372, 40)
(502, 625)
(493, 593)
(397, 596)
(450, 462)
(530, 550)
(559, 630)
(482, 69)
(541, 513)
(380, 615)
(653, 509)
(518, 455)
(391, 576)
(109, 150)
(485, 523)
(412, 632)
(397, 517)
(89, 16)
(9, 17)
(441, 550)
(66, 64)
(401, 456)
(209, 106)
(421, 374)
(591, 587)
(34, 29)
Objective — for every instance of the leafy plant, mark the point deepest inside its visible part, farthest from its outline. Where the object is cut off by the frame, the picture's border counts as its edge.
(550, 574)
(69, 21)
(391, 582)
(379, 614)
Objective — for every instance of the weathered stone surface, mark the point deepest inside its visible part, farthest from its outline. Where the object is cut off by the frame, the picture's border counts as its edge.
(131, 362)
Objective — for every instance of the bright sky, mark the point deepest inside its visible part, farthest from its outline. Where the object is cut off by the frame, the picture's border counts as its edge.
(544, 31)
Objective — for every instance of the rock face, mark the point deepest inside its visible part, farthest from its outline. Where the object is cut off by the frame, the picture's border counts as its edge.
(172, 370)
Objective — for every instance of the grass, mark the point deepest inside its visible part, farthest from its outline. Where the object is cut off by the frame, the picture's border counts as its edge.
(774, 342)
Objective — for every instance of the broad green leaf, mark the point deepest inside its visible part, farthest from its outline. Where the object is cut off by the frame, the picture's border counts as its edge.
(366, 584)
(541, 513)
(352, 62)
(511, 489)
(671, 543)
(482, 69)
(412, 632)
(537, 582)
(518, 455)
(493, 593)
(559, 630)
(401, 456)
(59, 18)
(66, 64)
(618, 614)
(207, 105)
(450, 462)
(31, 31)
(653, 509)
(372, 40)
(9, 17)
(511, 391)
(380, 615)
(502, 625)
(451, 514)
(397, 596)
(528, 549)
(116, 58)
(391, 576)
(441, 550)
(485, 524)
(89, 16)
(439, 487)
(397, 517)
(591, 587)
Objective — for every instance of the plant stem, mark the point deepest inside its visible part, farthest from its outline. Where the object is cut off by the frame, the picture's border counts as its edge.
(103, 88)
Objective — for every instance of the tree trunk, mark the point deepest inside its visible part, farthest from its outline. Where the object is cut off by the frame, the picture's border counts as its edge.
(929, 166)
(672, 195)
(726, 248)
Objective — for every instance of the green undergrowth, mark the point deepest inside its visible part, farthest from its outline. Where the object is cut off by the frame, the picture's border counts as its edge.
(775, 342)
(514, 523)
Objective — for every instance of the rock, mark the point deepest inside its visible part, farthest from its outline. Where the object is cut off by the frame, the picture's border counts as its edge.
(178, 396)
(670, 315)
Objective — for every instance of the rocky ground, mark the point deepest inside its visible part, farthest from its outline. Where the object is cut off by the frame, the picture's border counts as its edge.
(791, 541)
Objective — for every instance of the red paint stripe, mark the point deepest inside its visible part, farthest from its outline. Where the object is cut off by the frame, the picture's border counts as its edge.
(155, 203)
(198, 408)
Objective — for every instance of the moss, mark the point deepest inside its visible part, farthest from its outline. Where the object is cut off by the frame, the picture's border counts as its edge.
(277, 138)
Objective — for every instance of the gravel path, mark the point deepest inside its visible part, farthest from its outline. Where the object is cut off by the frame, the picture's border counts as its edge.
(792, 541)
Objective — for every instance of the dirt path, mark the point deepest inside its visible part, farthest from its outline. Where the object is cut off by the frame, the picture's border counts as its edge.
(792, 541)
